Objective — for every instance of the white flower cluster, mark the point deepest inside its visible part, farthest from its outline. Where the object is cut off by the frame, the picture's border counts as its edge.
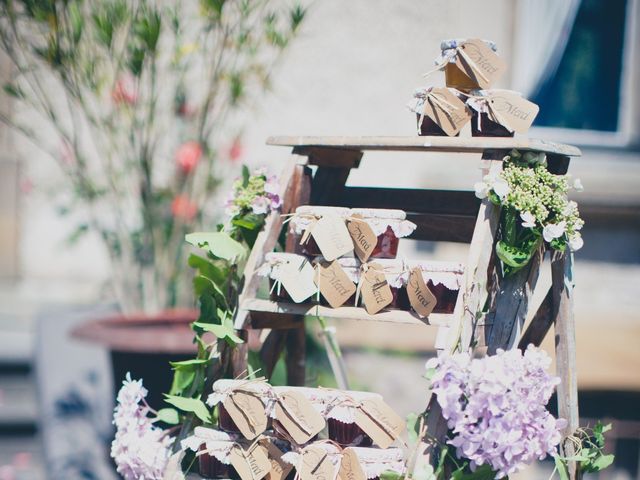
(538, 196)
(139, 449)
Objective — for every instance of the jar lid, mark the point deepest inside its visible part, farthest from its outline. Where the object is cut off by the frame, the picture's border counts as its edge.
(272, 262)
(456, 42)
(320, 210)
(379, 213)
(224, 387)
(374, 461)
(449, 274)
(217, 443)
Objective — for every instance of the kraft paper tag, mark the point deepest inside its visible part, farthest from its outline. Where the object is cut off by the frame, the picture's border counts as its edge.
(251, 463)
(298, 417)
(447, 110)
(316, 464)
(376, 293)
(379, 421)
(247, 412)
(512, 111)
(297, 277)
(420, 297)
(350, 468)
(332, 237)
(480, 63)
(364, 239)
(335, 285)
(279, 468)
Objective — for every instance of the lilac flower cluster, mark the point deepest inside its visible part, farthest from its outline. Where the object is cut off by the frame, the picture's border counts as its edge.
(139, 449)
(257, 194)
(495, 407)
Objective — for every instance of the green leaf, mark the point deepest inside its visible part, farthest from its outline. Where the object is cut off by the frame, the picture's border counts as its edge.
(188, 363)
(219, 244)
(245, 176)
(223, 332)
(513, 256)
(390, 475)
(559, 243)
(561, 467)
(296, 16)
(182, 380)
(13, 90)
(208, 269)
(76, 20)
(412, 428)
(208, 308)
(168, 415)
(190, 405)
(602, 462)
(424, 471)
(482, 473)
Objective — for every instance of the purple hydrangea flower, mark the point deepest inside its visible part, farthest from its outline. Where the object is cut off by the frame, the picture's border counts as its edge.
(495, 407)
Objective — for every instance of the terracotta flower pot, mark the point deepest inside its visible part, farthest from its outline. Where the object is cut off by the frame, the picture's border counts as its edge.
(144, 345)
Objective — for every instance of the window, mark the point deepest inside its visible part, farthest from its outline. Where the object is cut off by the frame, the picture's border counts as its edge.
(585, 90)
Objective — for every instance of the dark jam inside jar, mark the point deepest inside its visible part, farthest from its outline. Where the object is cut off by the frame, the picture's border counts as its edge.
(310, 248)
(487, 127)
(225, 422)
(276, 296)
(281, 433)
(347, 434)
(429, 128)
(211, 467)
(445, 298)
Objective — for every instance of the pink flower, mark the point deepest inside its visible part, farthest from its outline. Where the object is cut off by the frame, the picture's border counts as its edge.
(236, 150)
(125, 91)
(183, 208)
(188, 156)
(26, 186)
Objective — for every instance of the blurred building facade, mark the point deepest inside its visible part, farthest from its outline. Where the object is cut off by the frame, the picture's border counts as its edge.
(351, 73)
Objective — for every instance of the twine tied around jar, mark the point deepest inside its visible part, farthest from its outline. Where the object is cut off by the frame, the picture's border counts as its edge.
(429, 96)
(384, 270)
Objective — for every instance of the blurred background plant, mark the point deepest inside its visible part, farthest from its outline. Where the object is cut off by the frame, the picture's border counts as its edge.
(142, 101)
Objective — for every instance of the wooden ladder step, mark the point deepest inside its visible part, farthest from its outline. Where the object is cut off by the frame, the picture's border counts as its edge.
(270, 314)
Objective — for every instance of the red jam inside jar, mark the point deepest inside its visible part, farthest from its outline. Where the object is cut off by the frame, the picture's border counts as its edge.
(347, 434)
(487, 127)
(387, 245)
(211, 467)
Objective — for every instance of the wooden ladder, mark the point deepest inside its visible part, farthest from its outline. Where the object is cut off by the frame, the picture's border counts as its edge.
(440, 215)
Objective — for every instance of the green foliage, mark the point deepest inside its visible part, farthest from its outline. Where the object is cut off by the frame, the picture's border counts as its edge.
(223, 332)
(483, 472)
(589, 445)
(218, 244)
(169, 416)
(192, 405)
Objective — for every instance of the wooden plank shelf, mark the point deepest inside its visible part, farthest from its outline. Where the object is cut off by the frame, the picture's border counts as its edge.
(257, 306)
(425, 144)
